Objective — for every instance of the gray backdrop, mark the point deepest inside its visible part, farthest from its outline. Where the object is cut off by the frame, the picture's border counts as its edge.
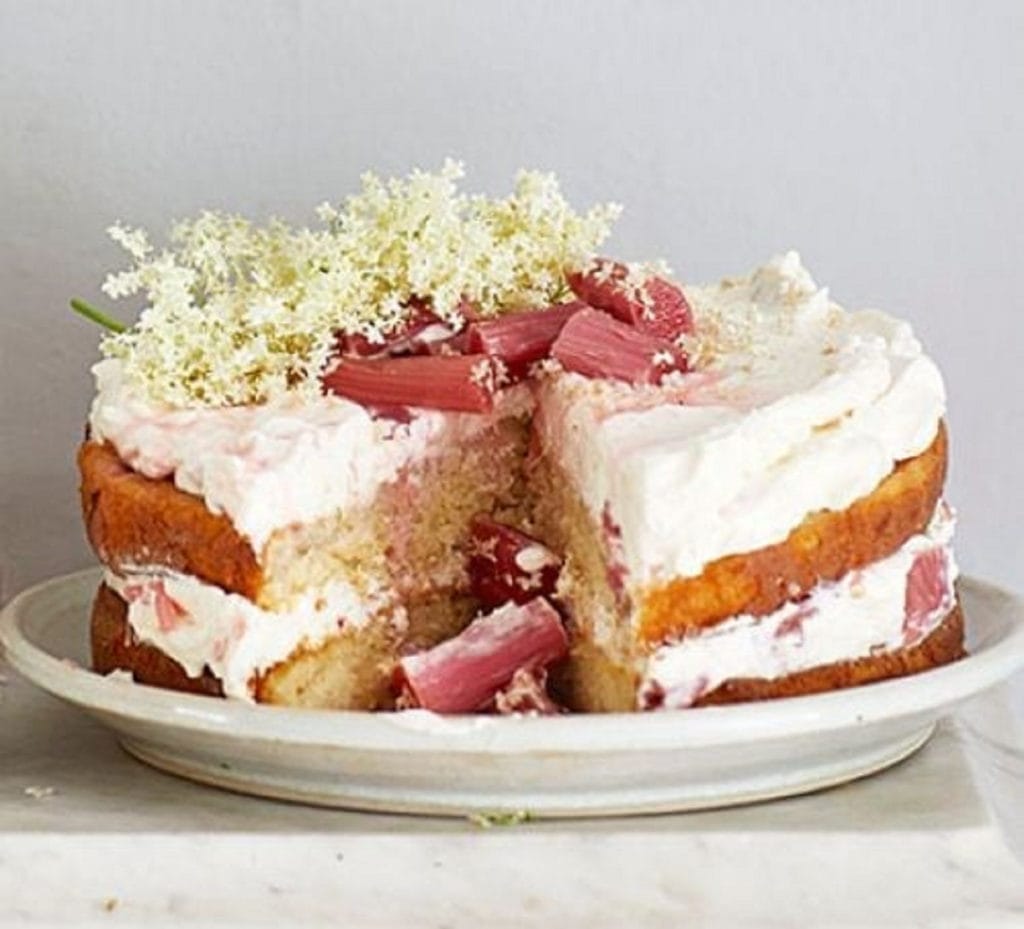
(882, 140)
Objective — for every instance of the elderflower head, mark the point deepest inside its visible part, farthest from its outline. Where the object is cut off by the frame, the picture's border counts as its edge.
(239, 314)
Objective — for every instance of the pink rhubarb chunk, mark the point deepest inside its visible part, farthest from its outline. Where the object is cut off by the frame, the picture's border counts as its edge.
(169, 613)
(519, 339)
(506, 564)
(927, 592)
(464, 673)
(442, 382)
(413, 336)
(595, 344)
(648, 302)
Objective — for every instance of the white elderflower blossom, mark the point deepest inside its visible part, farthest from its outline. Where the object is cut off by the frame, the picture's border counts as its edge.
(237, 313)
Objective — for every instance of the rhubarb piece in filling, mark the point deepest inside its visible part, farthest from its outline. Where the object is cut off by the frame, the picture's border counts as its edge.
(465, 673)
(506, 564)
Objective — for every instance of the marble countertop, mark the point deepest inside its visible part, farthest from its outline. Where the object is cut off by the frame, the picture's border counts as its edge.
(90, 837)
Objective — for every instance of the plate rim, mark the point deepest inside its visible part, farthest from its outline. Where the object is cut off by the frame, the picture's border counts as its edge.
(933, 691)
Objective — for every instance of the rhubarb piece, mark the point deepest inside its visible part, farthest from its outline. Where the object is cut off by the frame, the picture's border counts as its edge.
(646, 301)
(435, 342)
(416, 335)
(441, 382)
(927, 592)
(169, 613)
(794, 625)
(396, 342)
(595, 344)
(464, 673)
(506, 564)
(527, 692)
(519, 339)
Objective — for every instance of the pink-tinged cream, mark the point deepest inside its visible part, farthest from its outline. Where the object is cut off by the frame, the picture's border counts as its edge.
(267, 467)
(203, 628)
(894, 603)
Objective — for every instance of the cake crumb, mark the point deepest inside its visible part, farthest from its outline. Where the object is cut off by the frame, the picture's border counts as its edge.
(510, 818)
(110, 904)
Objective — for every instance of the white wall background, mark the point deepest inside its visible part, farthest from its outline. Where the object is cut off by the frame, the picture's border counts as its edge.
(883, 140)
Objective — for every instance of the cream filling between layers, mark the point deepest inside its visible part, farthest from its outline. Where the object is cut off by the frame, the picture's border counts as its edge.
(203, 627)
(801, 407)
(275, 465)
(861, 615)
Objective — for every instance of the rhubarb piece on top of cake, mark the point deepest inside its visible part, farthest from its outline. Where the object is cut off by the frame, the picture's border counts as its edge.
(595, 344)
(636, 295)
(519, 339)
(443, 382)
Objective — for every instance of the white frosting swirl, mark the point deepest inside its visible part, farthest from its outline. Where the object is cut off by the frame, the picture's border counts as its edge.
(804, 407)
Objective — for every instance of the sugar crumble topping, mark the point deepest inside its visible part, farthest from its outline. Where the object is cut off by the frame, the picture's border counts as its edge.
(733, 315)
(238, 313)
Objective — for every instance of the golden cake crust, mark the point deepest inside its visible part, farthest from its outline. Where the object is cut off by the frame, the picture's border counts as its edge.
(114, 648)
(131, 519)
(592, 681)
(945, 644)
(824, 547)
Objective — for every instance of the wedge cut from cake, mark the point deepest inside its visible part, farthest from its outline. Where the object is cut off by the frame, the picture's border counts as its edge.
(440, 453)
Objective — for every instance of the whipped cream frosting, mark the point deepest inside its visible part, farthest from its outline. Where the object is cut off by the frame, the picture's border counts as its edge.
(862, 614)
(796, 406)
(799, 406)
(202, 627)
(270, 466)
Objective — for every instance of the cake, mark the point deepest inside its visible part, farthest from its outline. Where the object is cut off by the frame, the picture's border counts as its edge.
(438, 452)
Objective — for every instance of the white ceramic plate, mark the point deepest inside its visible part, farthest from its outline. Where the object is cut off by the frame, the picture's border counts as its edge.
(554, 766)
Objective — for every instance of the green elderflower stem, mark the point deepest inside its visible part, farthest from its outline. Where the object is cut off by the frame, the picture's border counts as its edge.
(97, 316)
